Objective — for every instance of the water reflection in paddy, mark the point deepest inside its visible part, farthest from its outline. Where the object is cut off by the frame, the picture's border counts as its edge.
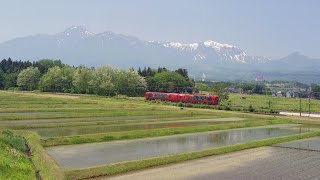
(86, 155)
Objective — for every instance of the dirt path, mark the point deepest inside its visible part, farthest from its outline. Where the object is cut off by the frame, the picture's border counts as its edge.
(260, 163)
(298, 114)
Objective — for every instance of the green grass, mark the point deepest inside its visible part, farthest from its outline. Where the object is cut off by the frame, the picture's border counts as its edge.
(16, 106)
(47, 167)
(21, 106)
(123, 167)
(14, 163)
(111, 136)
(261, 102)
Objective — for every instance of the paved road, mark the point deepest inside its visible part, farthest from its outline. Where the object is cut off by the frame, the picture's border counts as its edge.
(260, 163)
(298, 114)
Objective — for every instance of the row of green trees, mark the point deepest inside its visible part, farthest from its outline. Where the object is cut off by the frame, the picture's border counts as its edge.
(9, 70)
(101, 81)
(54, 76)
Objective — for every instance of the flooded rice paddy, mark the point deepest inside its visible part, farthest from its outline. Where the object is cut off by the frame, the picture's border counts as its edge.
(94, 154)
(80, 130)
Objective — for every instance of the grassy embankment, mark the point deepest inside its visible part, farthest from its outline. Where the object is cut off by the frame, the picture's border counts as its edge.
(14, 163)
(43, 163)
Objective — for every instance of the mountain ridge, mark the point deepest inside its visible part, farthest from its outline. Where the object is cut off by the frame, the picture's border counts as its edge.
(77, 45)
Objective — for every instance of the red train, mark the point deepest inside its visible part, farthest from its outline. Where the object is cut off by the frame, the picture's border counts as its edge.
(186, 98)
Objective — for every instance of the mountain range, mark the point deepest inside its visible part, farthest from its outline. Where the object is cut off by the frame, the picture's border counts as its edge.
(213, 60)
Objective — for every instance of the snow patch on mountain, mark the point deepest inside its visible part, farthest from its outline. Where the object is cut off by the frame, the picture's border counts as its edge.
(181, 46)
(216, 45)
(77, 31)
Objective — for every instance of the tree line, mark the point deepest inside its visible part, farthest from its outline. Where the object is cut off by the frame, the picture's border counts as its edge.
(164, 80)
(54, 76)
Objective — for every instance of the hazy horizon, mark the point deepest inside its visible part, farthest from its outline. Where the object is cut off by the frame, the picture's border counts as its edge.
(265, 28)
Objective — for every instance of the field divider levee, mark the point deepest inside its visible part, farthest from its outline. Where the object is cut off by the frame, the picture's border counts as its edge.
(49, 124)
(123, 167)
(44, 165)
(125, 135)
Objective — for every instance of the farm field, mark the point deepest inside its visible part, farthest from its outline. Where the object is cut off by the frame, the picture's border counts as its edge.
(259, 163)
(276, 103)
(51, 121)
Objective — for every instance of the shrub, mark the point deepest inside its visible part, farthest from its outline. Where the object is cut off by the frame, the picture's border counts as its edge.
(251, 109)
(14, 141)
(274, 111)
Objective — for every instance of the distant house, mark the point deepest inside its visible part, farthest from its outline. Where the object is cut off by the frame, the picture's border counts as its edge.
(290, 94)
(259, 78)
(279, 94)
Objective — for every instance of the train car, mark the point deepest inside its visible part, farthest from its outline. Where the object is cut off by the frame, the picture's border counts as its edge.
(156, 96)
(173, 97)
(205, 99)
(185, 98)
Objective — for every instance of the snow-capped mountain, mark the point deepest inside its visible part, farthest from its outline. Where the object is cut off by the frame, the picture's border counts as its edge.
(77, 32)
(203, 50)
(208, 49)
(77, 45)
(198, 51)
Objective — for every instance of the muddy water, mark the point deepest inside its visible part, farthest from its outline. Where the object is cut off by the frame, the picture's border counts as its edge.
(94, 154)
(80, 130)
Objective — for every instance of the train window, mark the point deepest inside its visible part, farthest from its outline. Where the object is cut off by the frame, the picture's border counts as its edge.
(199, 98)
(150, 95)
(209, 98)
(160, 95)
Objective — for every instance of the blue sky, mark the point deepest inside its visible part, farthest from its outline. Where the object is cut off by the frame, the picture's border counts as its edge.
(272, 28)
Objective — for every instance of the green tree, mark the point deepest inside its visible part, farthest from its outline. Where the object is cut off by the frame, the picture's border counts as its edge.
(315, 90)
(52, 80)
(219, 89)
(81, 79)
(10, 80)
(259, 89)
(167, 81)
(101, 82)
(202, 86)
(129, 82)
(28, 79)
(45, 64)
(1, 79)
(67, 78)
(183, 72)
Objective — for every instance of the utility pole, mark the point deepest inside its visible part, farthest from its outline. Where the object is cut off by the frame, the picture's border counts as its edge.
(300, 101)
(309, 104)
